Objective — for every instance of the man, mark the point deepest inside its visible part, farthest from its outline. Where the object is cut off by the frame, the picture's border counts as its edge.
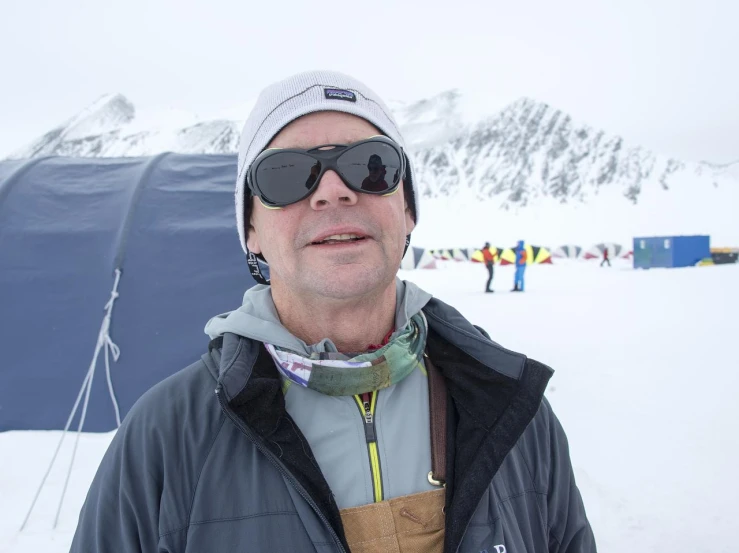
(521, 260)
(352, 411)
(489, 259)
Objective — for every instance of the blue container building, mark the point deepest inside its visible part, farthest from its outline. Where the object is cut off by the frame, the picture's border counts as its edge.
(670, 251)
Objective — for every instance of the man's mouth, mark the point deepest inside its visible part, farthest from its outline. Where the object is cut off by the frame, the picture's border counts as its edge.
(338, 239)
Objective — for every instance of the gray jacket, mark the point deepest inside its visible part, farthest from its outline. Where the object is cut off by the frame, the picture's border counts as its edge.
(210, 460)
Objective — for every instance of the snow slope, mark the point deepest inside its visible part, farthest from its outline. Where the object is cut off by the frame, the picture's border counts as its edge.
(645, 386)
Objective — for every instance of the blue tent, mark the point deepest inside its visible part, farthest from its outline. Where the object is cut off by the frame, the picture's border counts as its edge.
(66, 226)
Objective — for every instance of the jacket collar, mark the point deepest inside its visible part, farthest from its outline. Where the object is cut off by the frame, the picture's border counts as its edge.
(231, 357)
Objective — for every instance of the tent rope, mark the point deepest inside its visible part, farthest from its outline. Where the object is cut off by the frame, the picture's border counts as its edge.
(105, 342)
(110, 346)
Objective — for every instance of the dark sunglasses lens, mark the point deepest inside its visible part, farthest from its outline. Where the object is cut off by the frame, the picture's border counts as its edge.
(371, 167)
(286, 177)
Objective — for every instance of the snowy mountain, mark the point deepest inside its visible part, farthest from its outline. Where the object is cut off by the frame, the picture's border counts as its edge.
(110, 127)
(531, 150)
(528, 150)
(530, 161)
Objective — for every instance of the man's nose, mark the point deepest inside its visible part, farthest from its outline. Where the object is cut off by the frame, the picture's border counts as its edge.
(332, 191)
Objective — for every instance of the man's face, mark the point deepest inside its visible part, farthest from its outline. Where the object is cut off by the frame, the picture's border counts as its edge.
(293, 239)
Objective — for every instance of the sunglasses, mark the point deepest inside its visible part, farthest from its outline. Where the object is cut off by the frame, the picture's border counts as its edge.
(280, 177)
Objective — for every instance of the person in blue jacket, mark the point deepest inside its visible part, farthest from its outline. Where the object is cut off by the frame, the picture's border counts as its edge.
(521, 259)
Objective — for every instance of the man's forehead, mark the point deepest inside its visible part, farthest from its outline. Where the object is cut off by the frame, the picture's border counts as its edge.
(326, 127)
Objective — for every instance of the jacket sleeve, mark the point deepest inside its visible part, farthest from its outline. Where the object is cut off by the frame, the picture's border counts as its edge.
(569, 529)
(121, 512)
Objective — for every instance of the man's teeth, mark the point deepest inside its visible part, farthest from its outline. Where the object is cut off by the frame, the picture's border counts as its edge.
(339, 237)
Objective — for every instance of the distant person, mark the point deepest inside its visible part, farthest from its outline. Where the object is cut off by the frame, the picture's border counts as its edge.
(489, 259)
(375, 181)
(605, 257)
(521, 259)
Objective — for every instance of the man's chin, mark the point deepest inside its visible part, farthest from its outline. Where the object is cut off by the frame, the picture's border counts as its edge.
(349, 281)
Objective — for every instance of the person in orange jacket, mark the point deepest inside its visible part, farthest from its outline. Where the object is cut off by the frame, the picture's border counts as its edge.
(488, 258)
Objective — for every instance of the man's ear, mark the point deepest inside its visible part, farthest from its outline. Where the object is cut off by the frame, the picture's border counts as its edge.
(252, 238)
(252, 242)
(410, 224)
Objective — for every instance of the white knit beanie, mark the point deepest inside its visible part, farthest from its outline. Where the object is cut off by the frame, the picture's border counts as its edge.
(284, 101)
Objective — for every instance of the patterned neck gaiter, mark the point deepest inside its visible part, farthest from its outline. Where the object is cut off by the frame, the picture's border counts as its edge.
(339, 374)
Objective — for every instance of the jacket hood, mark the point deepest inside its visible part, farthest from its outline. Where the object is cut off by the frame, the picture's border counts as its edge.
(257, 318)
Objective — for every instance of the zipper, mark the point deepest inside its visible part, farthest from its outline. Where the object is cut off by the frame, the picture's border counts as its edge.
(367, 403)
(279, 466)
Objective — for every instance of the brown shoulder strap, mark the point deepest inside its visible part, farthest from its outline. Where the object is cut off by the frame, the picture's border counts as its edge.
(437, 409)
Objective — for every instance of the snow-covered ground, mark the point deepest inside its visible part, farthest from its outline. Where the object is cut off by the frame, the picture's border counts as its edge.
(646, 386)
(606, 217)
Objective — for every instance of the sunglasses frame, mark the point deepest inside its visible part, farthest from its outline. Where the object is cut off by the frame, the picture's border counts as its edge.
(327, 155)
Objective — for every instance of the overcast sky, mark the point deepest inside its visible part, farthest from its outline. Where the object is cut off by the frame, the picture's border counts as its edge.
(662, 73)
